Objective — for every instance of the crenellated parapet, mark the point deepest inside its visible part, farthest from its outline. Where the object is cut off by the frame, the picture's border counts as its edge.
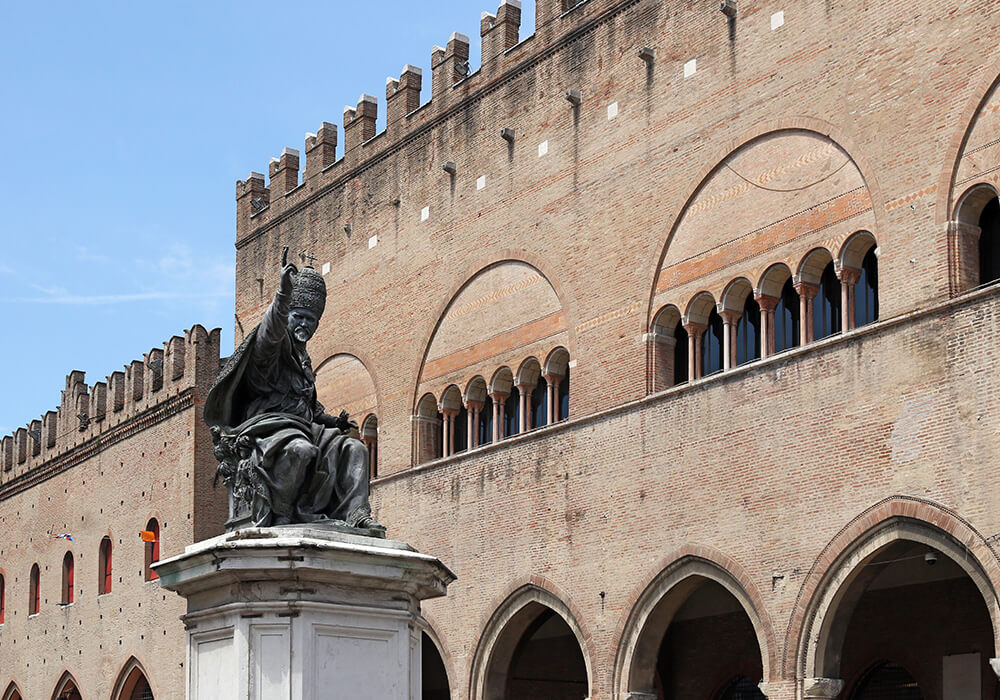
(89, 413)
(263, 199)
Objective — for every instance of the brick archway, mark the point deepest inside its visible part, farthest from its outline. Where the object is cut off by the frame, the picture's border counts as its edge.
(13, 692)
(131, 673)
(650, 612)
(811, 633)
(502, 631)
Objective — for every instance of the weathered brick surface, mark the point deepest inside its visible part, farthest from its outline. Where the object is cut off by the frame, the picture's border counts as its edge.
(152, 459)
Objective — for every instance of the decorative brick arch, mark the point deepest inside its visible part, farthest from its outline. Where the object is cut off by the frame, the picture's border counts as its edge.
(896, 518)
(428, 625)
(361, 357)
(639, 632)
(471, 272)
(946, 195)
(128, 677)
(64, 679)
(843, 137)
(496, 635)
(12, 688)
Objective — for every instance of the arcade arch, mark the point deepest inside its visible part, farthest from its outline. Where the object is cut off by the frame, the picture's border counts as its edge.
(532, 648)
(670, 643)
(905, 603)
(66, 688)
(132, 683)
(12, 692)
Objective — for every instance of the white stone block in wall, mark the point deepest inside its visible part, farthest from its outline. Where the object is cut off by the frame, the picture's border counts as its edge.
(690, 68)
(543, 148)
(612, 110)
(372, 242)
(481, 182)
(425, 213)
(777, 19)
(326, 268)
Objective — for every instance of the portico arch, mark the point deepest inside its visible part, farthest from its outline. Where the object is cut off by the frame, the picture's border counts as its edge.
(67, 688)
(13, 692)
(133, 682)
(527, 615)
(863, 567)
(658, 607)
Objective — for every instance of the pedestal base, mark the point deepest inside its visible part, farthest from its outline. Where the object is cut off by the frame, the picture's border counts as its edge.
(303, 613)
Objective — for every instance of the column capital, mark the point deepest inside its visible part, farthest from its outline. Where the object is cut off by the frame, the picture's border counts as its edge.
(525, 387)
(694, 329)
(766, 302)
(448, 412)
(552, 377)
(806, 290)
(656, 337)
(499, 396)
(847, 275)
(821, 688)
(473, 404)
(731, 316)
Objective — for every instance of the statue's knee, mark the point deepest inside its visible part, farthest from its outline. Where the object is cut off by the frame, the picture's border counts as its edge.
(302, 451)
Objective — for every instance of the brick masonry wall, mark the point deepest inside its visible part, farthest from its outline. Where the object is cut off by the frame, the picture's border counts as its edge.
(766, 466)
(163, 468)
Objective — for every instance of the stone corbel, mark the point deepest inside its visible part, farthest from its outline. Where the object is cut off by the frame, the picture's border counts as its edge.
(821, 688)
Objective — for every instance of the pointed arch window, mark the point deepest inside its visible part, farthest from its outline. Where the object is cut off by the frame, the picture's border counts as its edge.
(67, 579)
(151, 544)
(3, 599)
(34, 597)
(104, 567)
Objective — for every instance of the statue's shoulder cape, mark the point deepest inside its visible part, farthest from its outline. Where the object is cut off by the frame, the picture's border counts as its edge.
(220, 402)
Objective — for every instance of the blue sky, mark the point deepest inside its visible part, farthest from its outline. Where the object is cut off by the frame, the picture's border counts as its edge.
(124, 128)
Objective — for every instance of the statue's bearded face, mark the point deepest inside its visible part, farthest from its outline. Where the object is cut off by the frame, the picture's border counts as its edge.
(302, 323)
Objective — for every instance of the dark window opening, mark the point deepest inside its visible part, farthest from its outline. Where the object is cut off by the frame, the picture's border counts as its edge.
(433, 676)
(786, 318)
(547, 662)
(152, 548)
(512, 413)
(680, 354)
(460, 426)
(742, 688)
(104, 565)
(540, 405)
(748, 332)
(887, 681)
(989, 243)
(33, 595)
(564, 396)
(712, 345)
(485, 426)
(826, 305)
(67, 579)
(866, 291)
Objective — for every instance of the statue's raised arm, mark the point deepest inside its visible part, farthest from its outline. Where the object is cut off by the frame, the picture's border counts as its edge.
(285, 459)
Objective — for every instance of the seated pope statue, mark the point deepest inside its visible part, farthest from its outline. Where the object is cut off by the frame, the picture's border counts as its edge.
(285, 458)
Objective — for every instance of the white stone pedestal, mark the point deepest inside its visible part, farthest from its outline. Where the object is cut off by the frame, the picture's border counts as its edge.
(303, 613)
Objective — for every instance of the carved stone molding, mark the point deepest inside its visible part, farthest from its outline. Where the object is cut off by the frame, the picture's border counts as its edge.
(821, 688)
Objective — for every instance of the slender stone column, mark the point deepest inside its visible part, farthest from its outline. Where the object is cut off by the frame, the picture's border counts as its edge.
(729, 320)
(807, 309)
(303, 612)
(449, 431)
(767, 306)
(498, 418)
(473, 407)
(551, 397)
(524, 420)
(694, 331)
(821, 688)
(848, 277)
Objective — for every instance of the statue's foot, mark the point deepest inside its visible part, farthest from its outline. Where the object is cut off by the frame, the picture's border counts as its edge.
(362, 519)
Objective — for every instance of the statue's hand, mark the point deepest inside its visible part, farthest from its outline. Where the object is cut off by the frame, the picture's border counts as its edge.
(345, 423)
(288, 272)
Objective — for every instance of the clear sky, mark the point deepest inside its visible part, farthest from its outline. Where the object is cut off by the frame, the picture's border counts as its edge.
(125, 126)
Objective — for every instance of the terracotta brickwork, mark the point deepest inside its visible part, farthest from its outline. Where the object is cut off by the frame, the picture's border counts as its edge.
(735, 154)
(632, 167)
(145, 454)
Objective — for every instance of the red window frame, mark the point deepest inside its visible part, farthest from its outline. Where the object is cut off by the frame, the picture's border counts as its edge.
(34, 601)
(105, 580)
(68, 575)
(152, 549)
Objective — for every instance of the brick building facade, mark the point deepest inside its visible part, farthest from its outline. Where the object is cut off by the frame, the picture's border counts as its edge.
(672, 332)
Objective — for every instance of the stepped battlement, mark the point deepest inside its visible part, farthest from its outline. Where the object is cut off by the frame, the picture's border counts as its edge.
(453, 82)
(86, 412)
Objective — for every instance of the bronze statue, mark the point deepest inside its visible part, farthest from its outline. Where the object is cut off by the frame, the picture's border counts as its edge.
(284, 457)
